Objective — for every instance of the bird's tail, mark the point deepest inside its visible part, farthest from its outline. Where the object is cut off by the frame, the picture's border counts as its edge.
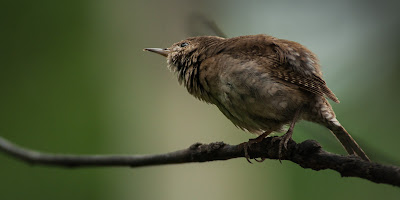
(347, 141)
(323, 114)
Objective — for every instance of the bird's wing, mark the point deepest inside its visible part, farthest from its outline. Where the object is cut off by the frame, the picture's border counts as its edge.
(295, 64)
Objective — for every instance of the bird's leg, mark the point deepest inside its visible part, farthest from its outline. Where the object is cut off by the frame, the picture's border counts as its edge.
(252, 141)
(288, 135)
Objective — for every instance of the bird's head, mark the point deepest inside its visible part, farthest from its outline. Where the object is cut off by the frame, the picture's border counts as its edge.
(187, 53)
(185, 57)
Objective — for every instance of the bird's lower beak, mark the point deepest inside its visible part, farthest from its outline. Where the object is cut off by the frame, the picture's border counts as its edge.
(163, 52)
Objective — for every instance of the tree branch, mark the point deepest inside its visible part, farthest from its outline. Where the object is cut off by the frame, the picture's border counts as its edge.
(307, 154)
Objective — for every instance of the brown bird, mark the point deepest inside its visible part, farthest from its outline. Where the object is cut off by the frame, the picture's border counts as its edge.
(259, 82)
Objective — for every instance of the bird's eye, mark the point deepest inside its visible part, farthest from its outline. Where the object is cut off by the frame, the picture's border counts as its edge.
(184, 44)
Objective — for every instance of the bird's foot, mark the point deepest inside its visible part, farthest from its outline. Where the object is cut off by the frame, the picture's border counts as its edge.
(247, 145)
(284, 139)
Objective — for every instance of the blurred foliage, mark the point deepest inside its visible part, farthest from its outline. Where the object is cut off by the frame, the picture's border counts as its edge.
(74, 79)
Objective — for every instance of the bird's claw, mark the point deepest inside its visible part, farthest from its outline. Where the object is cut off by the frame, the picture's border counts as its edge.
(246, 146)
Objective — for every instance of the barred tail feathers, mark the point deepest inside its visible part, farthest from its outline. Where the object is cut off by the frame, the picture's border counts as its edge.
(323, 114)
(347, 141)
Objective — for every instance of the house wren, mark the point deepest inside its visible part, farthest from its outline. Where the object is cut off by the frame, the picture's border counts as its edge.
(259, 82)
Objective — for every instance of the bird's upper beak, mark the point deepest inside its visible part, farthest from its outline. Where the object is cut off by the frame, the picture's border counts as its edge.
(163, 52)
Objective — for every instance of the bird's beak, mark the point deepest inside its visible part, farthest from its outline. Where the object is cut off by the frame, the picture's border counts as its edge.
(163, 52)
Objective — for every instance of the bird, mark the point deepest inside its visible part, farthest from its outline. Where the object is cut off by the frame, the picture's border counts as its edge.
(261, 83)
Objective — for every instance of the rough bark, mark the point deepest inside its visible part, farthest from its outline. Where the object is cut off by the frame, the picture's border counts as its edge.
(307, 154)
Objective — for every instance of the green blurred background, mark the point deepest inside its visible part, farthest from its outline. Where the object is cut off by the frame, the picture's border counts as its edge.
(74, 79)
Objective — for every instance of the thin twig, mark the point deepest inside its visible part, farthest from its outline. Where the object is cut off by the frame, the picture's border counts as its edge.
(307, 154)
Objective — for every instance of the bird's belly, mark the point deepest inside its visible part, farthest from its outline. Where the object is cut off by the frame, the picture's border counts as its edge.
(259, 105)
